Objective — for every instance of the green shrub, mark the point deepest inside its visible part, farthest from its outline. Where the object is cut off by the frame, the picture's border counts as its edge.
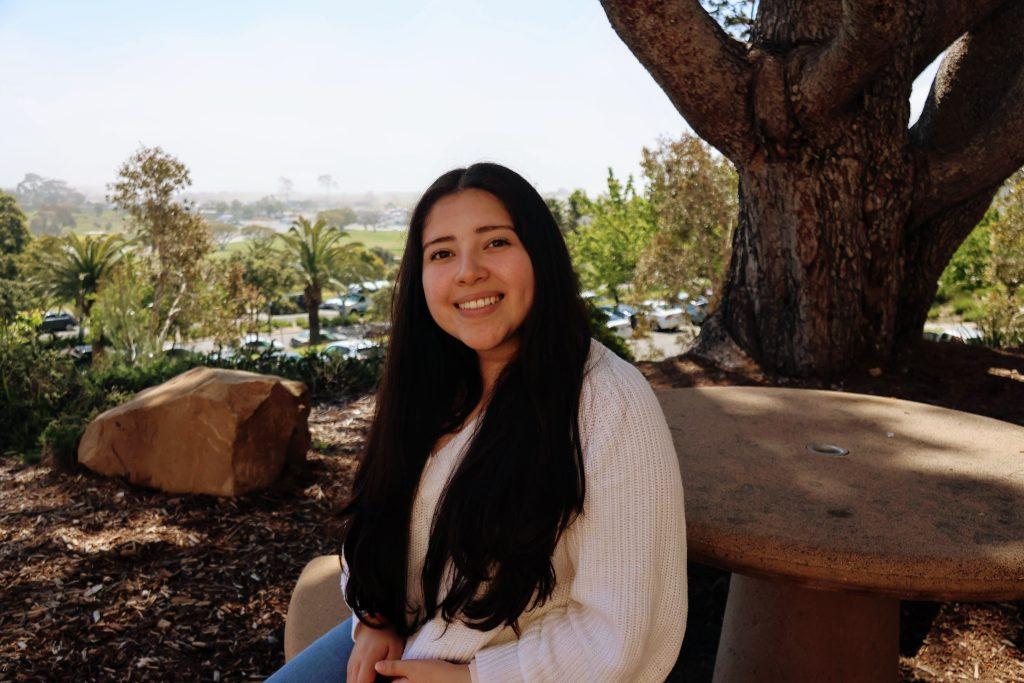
(59, 441)
(35, 383)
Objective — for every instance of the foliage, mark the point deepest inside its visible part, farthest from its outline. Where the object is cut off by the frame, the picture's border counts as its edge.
(1002, 308)
(35, 381)
(14, 236)
(318, 256)
(71, 268)
(35, 191)
(693, 193)
(174, 235)
(120, 315)
(599, 330)
(338, 218)
(15, 296)
(967, 270)
(52, 220)
(1002, 319)
(614, 230)
(735, 16)
(1006, 265)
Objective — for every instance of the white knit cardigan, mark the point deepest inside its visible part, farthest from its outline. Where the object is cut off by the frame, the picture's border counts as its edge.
(618, 610)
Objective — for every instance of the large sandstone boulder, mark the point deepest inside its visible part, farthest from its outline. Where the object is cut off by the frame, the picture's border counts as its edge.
(223, 432)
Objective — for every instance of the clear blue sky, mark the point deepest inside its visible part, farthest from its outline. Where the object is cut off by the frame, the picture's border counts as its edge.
(381, 95)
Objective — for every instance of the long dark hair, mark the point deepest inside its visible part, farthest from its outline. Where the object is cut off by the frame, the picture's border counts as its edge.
(521, 481)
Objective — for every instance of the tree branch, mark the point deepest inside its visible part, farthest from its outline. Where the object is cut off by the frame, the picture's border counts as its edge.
(946, 20)
(703, 71)
(826, 78)
(969, 135)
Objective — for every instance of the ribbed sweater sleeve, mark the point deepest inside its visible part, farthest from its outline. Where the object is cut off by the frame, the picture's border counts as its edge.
(628, 596)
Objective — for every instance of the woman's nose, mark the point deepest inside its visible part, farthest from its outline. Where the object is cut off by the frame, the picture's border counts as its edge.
(470, 269)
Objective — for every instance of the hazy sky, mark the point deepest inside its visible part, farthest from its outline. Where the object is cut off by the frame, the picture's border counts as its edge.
(381, 95)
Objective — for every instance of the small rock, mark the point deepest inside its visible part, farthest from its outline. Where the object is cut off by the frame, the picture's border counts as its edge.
(875, 372)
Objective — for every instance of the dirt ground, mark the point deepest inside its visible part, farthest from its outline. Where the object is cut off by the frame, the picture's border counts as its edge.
(105, 581)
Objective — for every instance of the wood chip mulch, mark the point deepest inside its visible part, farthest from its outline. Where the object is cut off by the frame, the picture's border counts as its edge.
(103, 581)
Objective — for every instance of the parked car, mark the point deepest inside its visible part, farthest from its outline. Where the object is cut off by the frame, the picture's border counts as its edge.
(302, 338)
(333, 304)
(697, 310)
(355, 303)
(362, 349)
(617, 322)
(58, 322)
(82, 354)
(663, 315)
(964, 333)
(252, 343)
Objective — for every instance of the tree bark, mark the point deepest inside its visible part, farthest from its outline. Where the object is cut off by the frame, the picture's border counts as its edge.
(312, 296)
(846, 219)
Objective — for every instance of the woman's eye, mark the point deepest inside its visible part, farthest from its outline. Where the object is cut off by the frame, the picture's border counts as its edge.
(500, 240)
(434, 256)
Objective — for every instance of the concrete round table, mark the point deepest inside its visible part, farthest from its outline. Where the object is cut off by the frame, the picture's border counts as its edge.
(829, 508)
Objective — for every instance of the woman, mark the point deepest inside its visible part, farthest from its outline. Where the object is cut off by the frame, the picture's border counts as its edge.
(518, 512)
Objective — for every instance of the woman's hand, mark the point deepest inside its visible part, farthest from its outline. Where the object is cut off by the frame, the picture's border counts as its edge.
(424, 671)
(372, 645)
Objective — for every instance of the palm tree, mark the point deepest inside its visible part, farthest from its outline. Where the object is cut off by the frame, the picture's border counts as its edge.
(319, 257)
(74, 267)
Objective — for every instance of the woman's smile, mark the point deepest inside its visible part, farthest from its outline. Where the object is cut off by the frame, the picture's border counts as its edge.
(479, 306)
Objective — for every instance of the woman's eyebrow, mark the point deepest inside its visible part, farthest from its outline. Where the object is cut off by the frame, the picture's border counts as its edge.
(482, 228)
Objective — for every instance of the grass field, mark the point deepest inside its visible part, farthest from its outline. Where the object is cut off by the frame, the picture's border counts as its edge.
(90, 221)
(392, 240)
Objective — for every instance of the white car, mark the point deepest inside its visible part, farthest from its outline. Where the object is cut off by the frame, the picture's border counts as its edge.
(354, 348)
(663, 316)
(333, 304)
(617, 323)
(964, 333)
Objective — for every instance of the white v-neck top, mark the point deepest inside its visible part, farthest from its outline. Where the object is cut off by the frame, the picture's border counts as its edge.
(618, 610)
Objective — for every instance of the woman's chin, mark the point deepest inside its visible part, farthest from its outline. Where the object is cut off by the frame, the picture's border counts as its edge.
(483, 343)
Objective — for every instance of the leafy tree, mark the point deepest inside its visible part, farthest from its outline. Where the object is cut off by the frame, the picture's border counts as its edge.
(615, 229)
(119, 313)
(222, 234)
(52, 219)
(35, 191)
(326, 181)
(265, 269)
(1006, 265)
(71, 268)
(14, 237)
(286, 187)
(338, 218)
(848, 215)
(967, 271)
(692, 191)
(174, 235)
(318, 256)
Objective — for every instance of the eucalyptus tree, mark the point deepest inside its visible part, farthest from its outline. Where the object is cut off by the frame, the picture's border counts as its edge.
(847, 214)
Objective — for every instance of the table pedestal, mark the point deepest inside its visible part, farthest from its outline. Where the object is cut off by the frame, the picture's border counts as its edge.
(780, 631)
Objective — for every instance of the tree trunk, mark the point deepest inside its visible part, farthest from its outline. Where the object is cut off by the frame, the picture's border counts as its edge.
(312, 296)
(847, 218)
(825, 270)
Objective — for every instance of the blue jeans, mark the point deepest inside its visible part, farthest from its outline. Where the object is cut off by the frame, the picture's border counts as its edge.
(326, 659)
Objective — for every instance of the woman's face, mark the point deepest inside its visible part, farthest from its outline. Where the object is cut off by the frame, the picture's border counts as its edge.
(477, 276)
